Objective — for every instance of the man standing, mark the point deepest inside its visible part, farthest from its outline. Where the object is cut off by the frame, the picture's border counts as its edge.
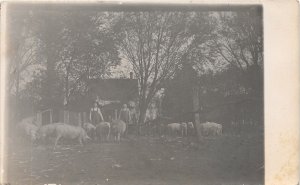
(96, 114)
(133, 116)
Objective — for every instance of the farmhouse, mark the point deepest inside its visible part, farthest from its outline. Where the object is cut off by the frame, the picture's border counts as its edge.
(110, 94)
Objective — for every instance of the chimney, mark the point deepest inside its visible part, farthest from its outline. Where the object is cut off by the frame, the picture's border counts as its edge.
(131, 75)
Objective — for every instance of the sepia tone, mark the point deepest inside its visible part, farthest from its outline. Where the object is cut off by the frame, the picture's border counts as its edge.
(135, 94)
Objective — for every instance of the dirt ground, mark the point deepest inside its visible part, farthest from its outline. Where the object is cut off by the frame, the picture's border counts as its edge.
(233, 160)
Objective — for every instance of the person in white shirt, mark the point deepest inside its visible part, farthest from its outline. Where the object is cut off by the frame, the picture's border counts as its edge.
(125, 116)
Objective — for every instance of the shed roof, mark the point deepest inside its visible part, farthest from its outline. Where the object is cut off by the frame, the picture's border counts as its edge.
(114, 89)
(110, 91)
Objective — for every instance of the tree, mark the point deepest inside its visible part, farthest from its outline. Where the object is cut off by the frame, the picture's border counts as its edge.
(239, 41)
(45, 27)
(87, 51)
(154, 43)
(235, 43)
(23, 54)
(239, 38)
(229, 61)
(178, 101)
(74, 47)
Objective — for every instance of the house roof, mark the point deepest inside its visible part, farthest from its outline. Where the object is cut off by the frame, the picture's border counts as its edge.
(114, 89)
(107, 90)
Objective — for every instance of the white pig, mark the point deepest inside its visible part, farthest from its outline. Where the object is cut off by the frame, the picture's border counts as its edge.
(47, 131)
(103, 129)
(89, 128)
(70, 132)
(174, 128)
(118, 129)
(26, 128)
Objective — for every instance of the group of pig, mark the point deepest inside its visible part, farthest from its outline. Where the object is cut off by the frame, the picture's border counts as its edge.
(182, 129)
(169, 126)
(204, 129)
(29, 128)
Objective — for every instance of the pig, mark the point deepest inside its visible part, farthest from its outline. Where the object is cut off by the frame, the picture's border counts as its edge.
(174, 128)
(90, 129)
(118, 128)
(209, 129)
(27, 128)
(47, 131)
(70, 132)
(103, 129)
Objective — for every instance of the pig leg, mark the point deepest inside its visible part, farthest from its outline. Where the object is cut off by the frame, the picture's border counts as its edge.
(93, 135)
(56, 141)
(119, 137)
(97, 135)
(108, 134)
(80, 140)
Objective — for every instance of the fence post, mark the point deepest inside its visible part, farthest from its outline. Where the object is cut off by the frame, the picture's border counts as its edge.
(51, 112)
(66, 117)
(79, 119)
(39, 118)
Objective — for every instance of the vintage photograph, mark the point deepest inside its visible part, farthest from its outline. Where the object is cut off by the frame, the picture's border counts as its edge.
(134, 94)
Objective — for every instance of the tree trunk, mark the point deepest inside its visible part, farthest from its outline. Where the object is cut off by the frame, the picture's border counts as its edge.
(196, 107)
(50, 80)
(66, 89)
(142, 116)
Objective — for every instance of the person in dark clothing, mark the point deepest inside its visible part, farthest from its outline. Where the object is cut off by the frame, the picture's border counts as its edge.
(96, 114)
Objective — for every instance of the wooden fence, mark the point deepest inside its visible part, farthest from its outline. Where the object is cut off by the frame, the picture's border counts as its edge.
(64, 116)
